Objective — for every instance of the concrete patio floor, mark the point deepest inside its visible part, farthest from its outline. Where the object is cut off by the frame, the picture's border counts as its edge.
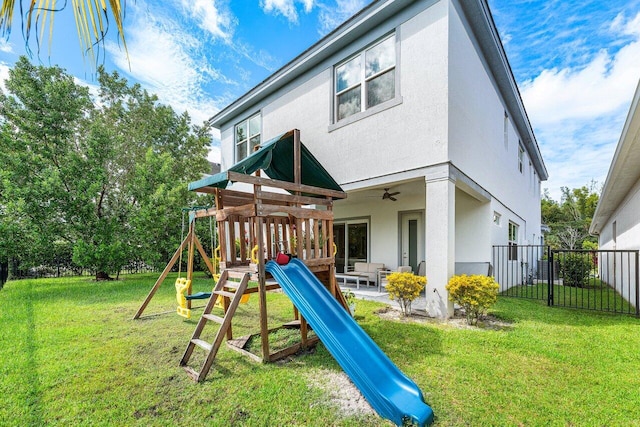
(371, 293)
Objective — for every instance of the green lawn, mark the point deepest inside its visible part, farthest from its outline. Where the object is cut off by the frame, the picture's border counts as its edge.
(71, 355)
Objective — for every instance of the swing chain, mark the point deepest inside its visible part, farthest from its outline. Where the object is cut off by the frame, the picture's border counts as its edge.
(181, 250)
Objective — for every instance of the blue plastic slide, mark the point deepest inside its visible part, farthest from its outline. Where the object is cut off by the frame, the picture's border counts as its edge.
(390, 392)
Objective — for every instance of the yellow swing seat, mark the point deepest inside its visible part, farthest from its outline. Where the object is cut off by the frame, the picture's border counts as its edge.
(182, 285)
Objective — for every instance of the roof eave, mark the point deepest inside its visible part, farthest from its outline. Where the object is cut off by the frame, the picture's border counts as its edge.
(355, 26)
(483, 26)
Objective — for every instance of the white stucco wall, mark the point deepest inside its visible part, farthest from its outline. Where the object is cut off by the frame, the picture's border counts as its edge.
(407, 136)
(384, 226)
(477, 143)
(473, 229)
(621, 273)
(627, 221)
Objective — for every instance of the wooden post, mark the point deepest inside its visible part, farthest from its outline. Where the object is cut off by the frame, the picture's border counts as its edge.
(222, 241)
(317, 251)
(232, 240)
(297, 171)
(304, 330)
(226, 302)
(163, 276)
(205, 256)
(222, 229)
(335, 289)
(262, 291)
(262, 283)
(301, 244)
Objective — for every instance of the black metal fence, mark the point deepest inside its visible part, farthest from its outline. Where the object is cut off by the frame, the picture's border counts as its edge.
(602, 280)
(63, 268)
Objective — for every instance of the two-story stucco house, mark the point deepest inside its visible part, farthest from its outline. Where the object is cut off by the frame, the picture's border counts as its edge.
(412, 107)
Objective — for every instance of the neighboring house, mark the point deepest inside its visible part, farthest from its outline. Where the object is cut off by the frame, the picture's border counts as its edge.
(616, 220)
(417, 98)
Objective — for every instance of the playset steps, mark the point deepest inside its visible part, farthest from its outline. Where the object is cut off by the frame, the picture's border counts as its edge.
(229, 295)
(202, 344)
(213, 318)
(224, 322)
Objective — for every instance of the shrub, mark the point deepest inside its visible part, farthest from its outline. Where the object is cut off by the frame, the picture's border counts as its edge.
(474, 293)
(350, 298)
(575, 269)
(405, 287)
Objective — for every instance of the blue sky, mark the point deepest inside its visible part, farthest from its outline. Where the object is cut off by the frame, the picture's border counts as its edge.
(576, 63)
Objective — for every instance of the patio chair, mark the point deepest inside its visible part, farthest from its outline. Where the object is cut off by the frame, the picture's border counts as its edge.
(382, 275)
(422, 268)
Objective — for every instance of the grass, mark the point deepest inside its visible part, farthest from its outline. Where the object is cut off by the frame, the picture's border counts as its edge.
(71, 355)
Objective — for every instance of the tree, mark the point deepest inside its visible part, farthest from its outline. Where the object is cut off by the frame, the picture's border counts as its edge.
(569, 219)
(92, 19)
(108, 174)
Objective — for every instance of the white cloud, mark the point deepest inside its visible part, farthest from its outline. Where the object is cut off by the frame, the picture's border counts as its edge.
(211, 17)
(599, 88)
(5, 46)
(331, 17)
(286, 8)
(166, 60)
(261, 58)
(94, 90)
(630, 27)
(578, 113)
(4, 75)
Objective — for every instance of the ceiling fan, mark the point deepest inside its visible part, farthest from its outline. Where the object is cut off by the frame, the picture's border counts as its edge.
(389, 196)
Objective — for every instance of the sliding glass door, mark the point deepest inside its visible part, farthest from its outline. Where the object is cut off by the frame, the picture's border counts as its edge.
(352, 242)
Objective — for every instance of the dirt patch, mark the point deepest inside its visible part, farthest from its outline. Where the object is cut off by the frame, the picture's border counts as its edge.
(458, 320)
(340, 392)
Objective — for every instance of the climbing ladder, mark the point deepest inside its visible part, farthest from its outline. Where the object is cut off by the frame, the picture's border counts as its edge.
(221, 289)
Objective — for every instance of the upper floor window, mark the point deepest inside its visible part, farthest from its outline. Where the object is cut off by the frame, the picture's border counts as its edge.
(366, 80)
(247, 136)
(520, 158)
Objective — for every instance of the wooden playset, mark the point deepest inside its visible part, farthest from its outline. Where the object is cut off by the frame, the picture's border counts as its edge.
(290, 211)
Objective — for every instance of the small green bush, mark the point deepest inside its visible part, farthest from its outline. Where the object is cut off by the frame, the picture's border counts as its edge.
(474, 293)
(405, 287)
(575, 269)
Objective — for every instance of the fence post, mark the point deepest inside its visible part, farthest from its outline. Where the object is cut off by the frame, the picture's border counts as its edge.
(550, 277)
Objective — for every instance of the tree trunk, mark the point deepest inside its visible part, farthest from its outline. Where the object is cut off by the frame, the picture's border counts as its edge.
(103, 275)
(4, 273)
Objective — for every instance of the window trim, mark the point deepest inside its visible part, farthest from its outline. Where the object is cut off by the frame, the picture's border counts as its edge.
(521, 158)
(497, 218)
(249, 136)
(364, 111)
(367, 113)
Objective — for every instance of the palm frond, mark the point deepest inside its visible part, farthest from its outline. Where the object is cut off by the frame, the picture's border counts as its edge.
(6, 16)
(92, 18)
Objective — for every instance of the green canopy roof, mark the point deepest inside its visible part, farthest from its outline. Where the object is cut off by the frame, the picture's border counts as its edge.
(275, 158)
